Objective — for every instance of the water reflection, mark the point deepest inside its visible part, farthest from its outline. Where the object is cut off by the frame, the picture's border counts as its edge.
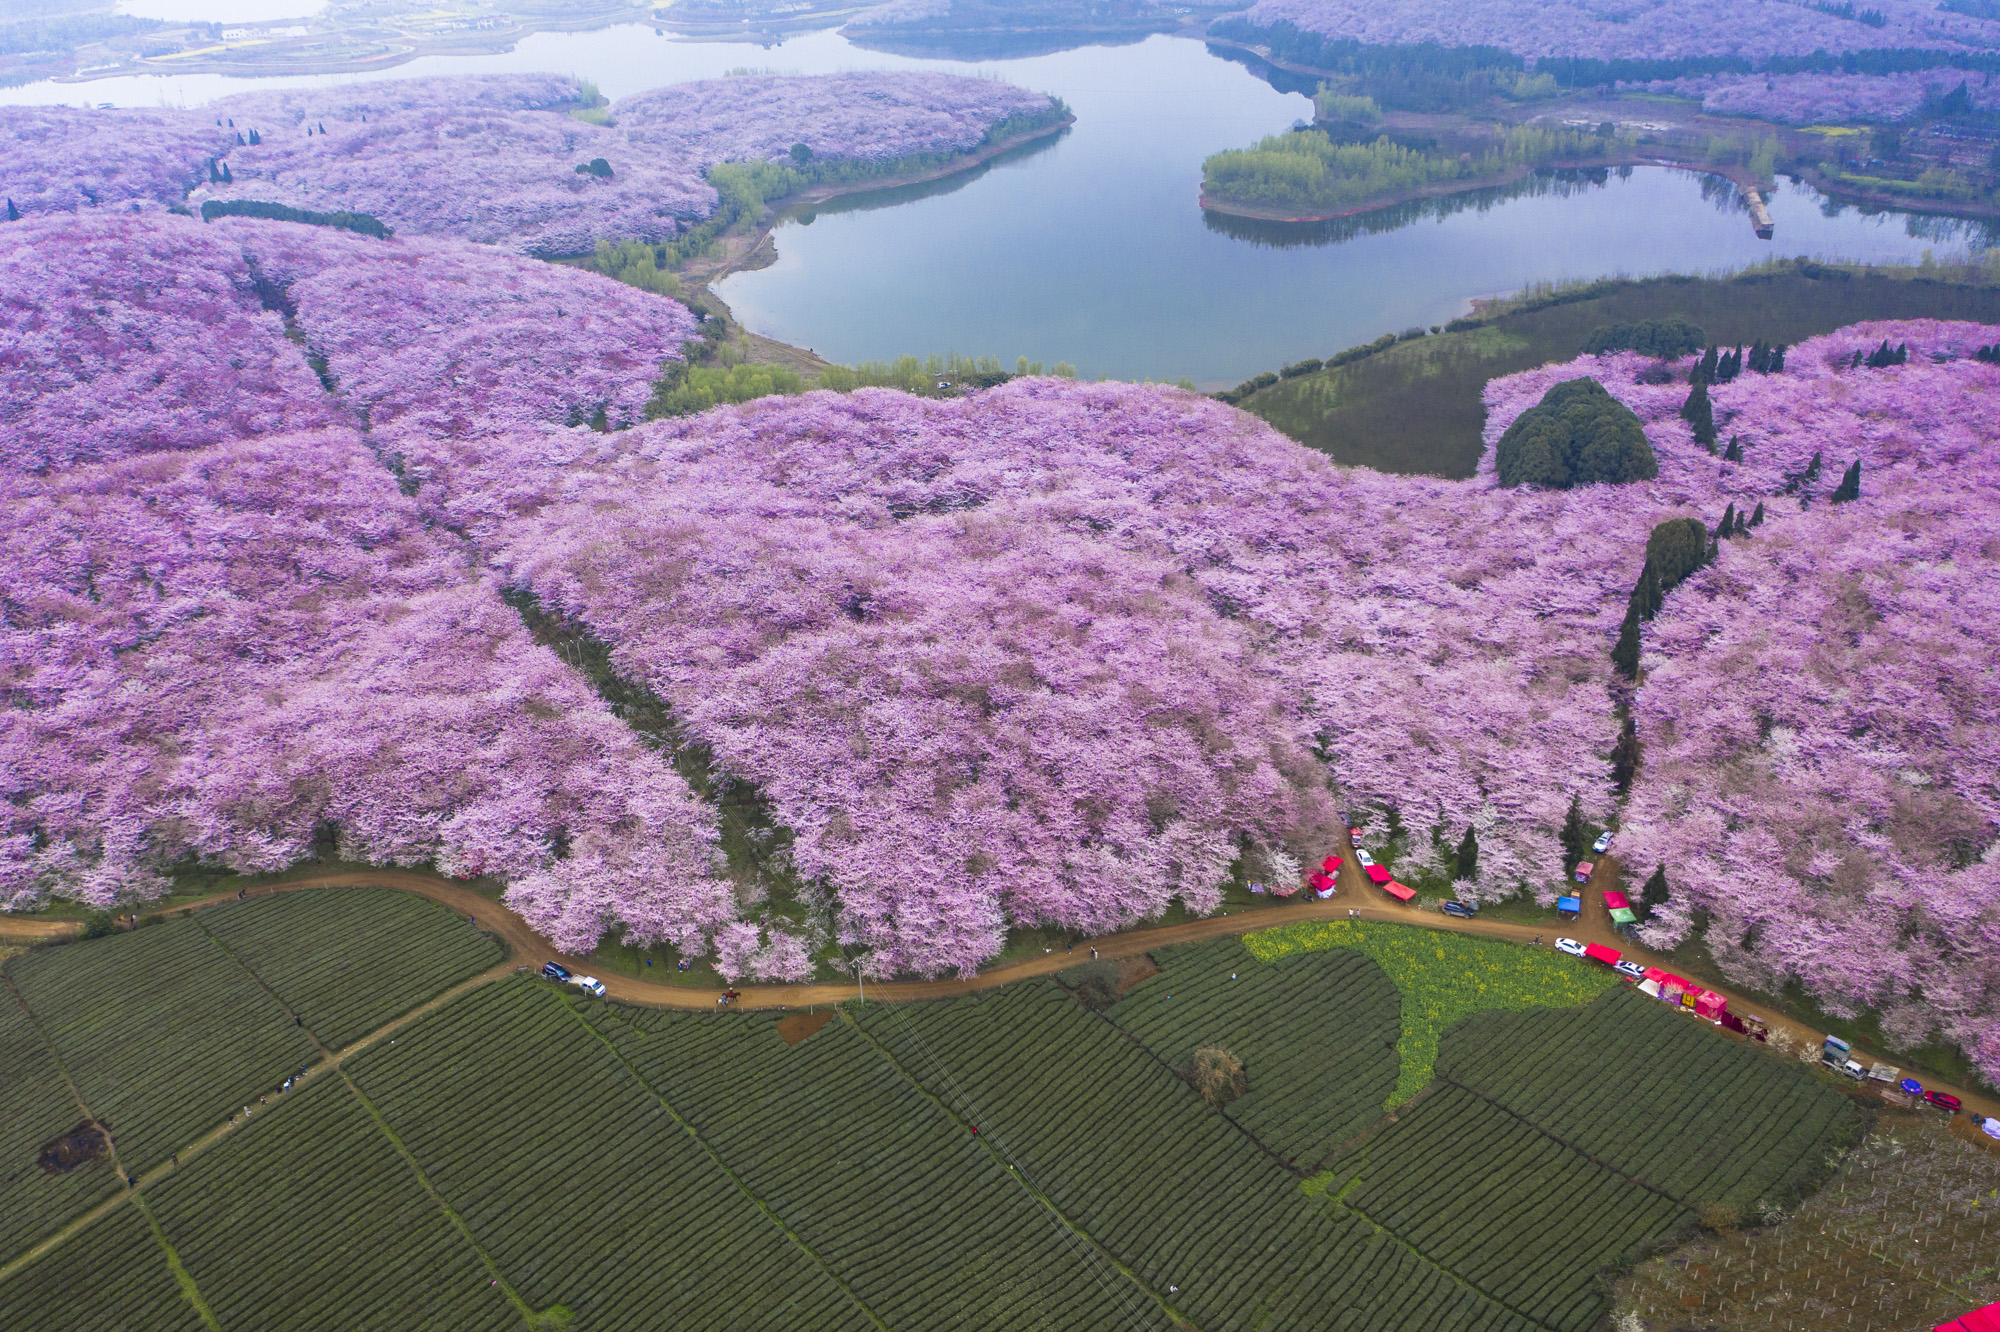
(926, 189)
(1557, 184)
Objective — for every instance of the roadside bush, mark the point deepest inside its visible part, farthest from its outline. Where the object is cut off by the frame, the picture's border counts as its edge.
(1095, 984)
(1577, 435)
(1217, 1075)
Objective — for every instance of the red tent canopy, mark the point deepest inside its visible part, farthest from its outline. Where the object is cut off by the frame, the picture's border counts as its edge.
(1378, 874)
(1599, 953)
(1331, 864)
(1655, 974)
(1616, 900)
(1979, 1320)
(1397, 890)
(1318, 880)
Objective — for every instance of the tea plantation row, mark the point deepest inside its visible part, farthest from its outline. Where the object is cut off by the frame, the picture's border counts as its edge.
(1011, 1159)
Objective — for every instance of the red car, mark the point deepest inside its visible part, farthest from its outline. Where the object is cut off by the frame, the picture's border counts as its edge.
(1355, 834)
(1943, 1100)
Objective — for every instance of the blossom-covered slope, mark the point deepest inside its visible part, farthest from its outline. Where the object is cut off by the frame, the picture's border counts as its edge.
(218, 653)
(870, 605)
(449, 338)
(1628, 29)
(130, 334)
(487, 159)
(58, 159)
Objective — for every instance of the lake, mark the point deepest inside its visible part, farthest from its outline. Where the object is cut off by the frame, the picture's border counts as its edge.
(1090, 248)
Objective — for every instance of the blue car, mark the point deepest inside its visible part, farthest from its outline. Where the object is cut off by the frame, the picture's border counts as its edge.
(1912, 1087)
(555, 971)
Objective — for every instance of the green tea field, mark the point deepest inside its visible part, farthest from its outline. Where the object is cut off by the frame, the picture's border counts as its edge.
(1427, 1131)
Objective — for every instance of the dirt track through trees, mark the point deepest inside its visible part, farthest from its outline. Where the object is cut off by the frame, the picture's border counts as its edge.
(1356, 895)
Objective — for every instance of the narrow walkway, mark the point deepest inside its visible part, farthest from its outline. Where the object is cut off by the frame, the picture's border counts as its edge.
(1355, 894)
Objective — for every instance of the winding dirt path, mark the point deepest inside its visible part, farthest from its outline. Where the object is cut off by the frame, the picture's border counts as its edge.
(1356, 894)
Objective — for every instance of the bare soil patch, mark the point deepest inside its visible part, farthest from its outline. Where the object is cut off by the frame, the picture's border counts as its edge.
(1132, 970)
(74, 1149)
(798, 1026)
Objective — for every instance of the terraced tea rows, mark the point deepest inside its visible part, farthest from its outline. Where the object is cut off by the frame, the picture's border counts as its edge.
(524, 1156)
(578, 1182)
(878, 1179)
(395, 951)
(1316, 1033)
(307, 1219)
(1657, 1096)
(1516, 1214)
(1130, 1154)
(36, 1111)
(112, 1277)
(163, 1033)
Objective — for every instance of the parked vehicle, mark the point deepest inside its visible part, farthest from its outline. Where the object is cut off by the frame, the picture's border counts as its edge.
(590, 985)
(1364, 858)
(1834, 1052)
(1944, 1101)
(1602, 844)
(1354, 834)
(1462, 910)
(1570, 946)
(555, 971)
(1630, 971)
(1853, 1068)
(1583, 871)
(1910, 1087)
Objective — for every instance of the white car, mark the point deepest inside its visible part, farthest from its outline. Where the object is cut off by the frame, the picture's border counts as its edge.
(1365, 859)
(1629, 970)
(590, 985)
(1570, 946)
(1602, 844)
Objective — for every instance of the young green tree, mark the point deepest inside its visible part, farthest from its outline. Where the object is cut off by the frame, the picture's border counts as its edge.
(1625, 653)
(1850, 484)
(1217, 1075)
(1625, 757)
(1698, 412)
(1576, 838)
(1654, 895)
(1466, 862)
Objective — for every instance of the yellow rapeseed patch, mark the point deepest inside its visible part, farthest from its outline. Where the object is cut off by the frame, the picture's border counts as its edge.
(1442, 977)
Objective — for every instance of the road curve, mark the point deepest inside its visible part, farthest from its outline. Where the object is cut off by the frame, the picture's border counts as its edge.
(1356, 894)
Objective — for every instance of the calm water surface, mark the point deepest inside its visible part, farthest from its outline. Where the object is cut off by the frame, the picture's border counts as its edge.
(1091, 248)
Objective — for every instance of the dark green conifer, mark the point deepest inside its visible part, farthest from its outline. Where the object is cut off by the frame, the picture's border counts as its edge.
(1850, 484)
(1654, 895)
(1467, 861)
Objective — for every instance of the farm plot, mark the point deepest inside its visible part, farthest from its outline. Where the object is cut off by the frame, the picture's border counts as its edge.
(1442, 977)
(575, 1180)
(306, 1218)
(1316, 1033)
(1130, 1154)
(52, 1166)
(921, 1218)
(1658, 1096)
(1504, 1207)
(112, 1277)
(348, 960)
(162, 1031)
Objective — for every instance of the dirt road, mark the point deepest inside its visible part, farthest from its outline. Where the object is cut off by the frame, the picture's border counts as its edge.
(1355, 894)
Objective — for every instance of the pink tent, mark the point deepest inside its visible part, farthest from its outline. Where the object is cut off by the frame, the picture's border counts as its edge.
(1378, 874)
(1398, 891)
(1710, 1005)
(1979, 1320)
(1599, 953)
(1332, 864)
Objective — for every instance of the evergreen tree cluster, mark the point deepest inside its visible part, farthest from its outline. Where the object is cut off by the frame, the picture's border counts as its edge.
(1719, 367)
(1882, 357)
(1989, 354)
(218, 173)
(1675, 549)
(1577, 435)
(1669, 339)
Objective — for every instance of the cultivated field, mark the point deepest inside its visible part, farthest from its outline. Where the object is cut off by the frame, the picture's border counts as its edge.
(525, 1157)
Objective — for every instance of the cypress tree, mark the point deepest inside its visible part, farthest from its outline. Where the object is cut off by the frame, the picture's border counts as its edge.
(214, 176)
(1777, 362)
(1850, 484)
(13, 213)
(1467, 861)
(1625, 653)
(1654, 895)
(1757, 518)
(1727, 528)
(1855, 364)
(1698, 412)
(1705, 369)
(1576, 837)
(1734, 453)
(255, 138)
(228, 177)
(1625, 758)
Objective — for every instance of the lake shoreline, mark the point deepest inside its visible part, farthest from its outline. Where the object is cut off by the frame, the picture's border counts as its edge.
(752, 247)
